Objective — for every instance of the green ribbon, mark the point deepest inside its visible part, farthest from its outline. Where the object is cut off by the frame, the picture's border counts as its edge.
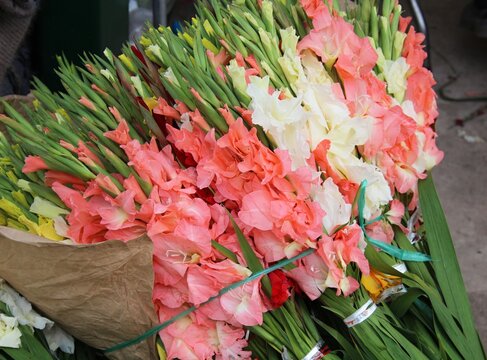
(223, 291)
(392, 250)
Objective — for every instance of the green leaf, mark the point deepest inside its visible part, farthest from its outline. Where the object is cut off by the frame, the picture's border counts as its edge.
(342, 340)
(417, 268)
(446, 265)
(403, 303)
(224, 251)
(251, 258)
(445, 344)
(445, 317)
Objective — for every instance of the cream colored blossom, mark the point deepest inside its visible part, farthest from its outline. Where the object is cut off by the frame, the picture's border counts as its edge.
(338, 212)
(395, 74)
(284, 121)
(9, 332)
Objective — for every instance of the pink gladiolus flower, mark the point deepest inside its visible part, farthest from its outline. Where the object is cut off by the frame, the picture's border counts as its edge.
(121, 134)
(87, 102)
(245, 304)
(356, 60)
(338, 252)
(115, 215)
(396, 212)
(192, 141)
(52, 176)
(420, 92)
(87, 156)
(84, 227)
(67, 146)
(273, 246)
(311, 275)
(227, 115)
(380, 230)
(256, 212)
(34, 163)
(313, 7)
(218, 60)
(201, 286)
(413, 49)
(181, 338)
(332, 37)
(226, 272)
(404, 22)
(163, 108)
(231, 343)
(104, 182)
(132, 185)
(174, 296)
(430, 154)
(116, 114)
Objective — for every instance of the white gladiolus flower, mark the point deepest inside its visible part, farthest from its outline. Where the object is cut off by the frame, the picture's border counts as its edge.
(9, 332)
(169, 74)
(156, 51)
(46, 208)
(349, 134)
(289, 40)
(21, 309)
(57, 338)
(425, 160)
(408, 109)
(338, 212)
(284, 121)
(292, 68)
(395, 73)
(326, 113)
(61, 226)
(314, 70)
(290, 62)
(377, 193)
(23, 314)
(237, 74)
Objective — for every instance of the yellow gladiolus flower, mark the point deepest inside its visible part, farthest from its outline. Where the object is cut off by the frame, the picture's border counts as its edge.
(377, 282)
(161, 352)
(47, 229)
(31, 226)
(11, 209)
(126, 61)
(36, 104)
(208, 28)
(209, 45)
(189, 39)
(151, 102)
(11, 223)
(3, 219)
(20, 197)
(10, 174)
(144, 41)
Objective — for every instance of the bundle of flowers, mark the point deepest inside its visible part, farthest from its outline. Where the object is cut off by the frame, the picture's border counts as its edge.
(275, 153)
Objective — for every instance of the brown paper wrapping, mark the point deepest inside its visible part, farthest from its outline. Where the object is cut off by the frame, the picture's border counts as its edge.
(100, 293)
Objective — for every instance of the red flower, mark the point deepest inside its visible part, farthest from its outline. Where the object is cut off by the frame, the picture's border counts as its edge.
(138, 54)
(280, 288)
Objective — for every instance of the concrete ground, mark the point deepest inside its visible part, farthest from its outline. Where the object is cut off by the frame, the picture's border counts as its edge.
(461, 178)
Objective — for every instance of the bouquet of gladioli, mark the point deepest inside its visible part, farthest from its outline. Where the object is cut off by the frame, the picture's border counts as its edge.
(272, 153)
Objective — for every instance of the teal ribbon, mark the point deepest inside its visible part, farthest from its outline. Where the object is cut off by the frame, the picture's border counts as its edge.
(192, 309)
(392, 250)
